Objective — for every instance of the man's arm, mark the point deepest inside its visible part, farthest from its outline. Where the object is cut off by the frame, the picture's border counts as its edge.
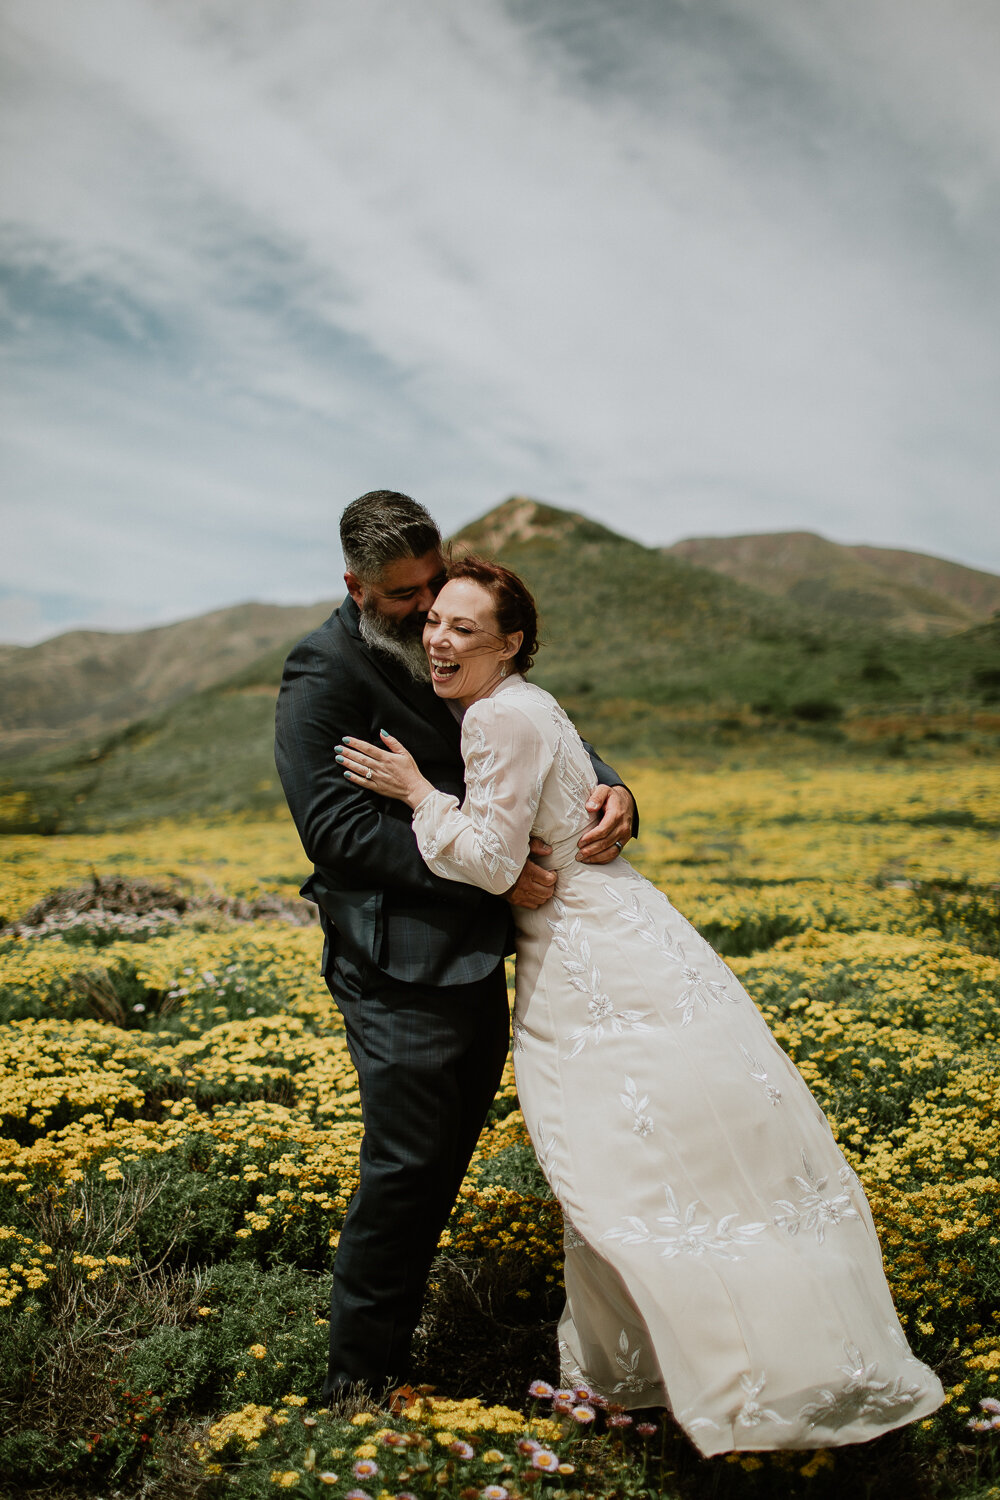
(619, 820)
(346, 831)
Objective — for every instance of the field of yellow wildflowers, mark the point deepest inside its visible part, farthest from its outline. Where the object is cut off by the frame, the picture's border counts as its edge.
(181, 1127)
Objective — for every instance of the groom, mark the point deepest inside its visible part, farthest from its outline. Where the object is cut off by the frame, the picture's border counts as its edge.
(414, 962)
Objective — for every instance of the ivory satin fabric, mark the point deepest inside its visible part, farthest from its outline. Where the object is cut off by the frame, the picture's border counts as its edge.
(720, 1255)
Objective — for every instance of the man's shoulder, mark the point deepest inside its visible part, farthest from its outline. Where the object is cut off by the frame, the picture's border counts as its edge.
(332, 638)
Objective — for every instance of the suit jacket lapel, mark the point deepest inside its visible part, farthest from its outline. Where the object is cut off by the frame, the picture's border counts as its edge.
(420, 695)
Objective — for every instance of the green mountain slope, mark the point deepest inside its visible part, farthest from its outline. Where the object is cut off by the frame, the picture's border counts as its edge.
(648, 653)
(91, 682)
(902, 591)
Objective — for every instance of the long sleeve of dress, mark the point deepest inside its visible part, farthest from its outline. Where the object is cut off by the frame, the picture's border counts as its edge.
(485, 841)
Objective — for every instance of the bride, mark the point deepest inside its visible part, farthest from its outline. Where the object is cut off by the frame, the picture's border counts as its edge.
(720, 1255)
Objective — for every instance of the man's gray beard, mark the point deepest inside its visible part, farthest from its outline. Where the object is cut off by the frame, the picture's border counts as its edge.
(383, 634)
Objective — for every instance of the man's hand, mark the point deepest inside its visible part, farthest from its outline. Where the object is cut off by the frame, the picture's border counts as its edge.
(534, 886)
(605, 841)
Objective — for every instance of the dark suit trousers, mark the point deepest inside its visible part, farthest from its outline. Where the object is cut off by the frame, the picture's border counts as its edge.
(429, 1063)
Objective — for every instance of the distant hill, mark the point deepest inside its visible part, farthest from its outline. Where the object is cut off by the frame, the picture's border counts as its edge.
(91, 682)
(907, 591)
(644, 648)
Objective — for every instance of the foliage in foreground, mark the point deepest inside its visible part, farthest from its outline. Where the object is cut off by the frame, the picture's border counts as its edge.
(181, 1124)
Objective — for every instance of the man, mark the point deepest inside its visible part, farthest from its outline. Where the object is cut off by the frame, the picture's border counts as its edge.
(414, 962)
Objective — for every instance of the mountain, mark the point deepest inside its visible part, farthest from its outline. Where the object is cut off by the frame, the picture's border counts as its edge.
(906, 591)
(648, 652)
(92, 682)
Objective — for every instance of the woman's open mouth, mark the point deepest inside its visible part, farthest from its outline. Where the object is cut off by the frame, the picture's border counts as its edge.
(442, 670)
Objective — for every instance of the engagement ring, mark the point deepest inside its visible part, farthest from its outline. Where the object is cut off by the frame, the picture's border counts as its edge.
(368, 777)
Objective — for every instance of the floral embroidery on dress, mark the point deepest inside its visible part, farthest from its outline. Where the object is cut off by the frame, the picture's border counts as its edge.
(480, 805)
(575, 772)
(638, 916)
(432, 841)
(545, 1150)
(585, 977)
(570, 1373)
(642, 1125)
(814, 1211)
(627, 1360)
(701, 992)
(572, 1238)
(751, 1413)
(688, 1236)
(759, 1074)
(862, 1395)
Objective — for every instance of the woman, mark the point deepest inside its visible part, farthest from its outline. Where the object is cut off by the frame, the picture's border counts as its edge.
(720, 1255)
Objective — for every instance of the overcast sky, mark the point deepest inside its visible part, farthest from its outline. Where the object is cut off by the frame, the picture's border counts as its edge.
(692, 267)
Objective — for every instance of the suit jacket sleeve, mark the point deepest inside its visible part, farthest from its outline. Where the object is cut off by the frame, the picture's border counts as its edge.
(359, 839)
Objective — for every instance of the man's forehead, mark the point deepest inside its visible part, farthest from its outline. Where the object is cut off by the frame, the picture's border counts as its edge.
(411, 572)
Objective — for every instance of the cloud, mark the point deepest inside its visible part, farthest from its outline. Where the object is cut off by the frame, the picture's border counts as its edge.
(717, 267)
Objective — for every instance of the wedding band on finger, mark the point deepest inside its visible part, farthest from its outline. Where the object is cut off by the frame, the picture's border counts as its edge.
(619, 846)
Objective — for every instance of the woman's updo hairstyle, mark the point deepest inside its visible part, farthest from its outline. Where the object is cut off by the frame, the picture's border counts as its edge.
(512, 602)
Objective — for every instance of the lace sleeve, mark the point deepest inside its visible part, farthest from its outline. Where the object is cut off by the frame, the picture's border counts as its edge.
(485, 841)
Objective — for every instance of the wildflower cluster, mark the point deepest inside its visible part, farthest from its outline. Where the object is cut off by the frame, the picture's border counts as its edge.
(178, 1094)
(445, 1447)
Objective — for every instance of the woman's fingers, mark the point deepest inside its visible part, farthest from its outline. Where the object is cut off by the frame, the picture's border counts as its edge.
(361, 747)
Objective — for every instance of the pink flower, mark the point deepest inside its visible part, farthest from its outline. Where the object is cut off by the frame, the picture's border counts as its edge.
(990, 1404)
(461, 1449)
(357, 1495)
(583, 1414)
(542, 1391)
(583, 1393)
(566, 1396)
(620, 1419)
(528, 1445)
(545, 1460)
(491, 1492)
(365, 1468)
(646, 1429)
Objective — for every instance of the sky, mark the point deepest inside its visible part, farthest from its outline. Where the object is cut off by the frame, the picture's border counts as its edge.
(691, 267)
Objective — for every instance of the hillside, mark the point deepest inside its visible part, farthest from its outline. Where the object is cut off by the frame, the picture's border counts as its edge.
(903, 591)
(649, 653)
(91, 682)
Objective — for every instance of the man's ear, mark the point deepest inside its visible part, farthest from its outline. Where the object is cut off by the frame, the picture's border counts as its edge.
(355, 588)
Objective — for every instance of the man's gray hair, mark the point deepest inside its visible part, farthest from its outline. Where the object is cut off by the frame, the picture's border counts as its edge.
(380, 528)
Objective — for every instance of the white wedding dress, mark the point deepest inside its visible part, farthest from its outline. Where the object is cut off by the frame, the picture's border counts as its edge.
(720, 1255)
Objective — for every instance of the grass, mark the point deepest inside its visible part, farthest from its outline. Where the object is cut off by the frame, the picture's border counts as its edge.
(181, 1122)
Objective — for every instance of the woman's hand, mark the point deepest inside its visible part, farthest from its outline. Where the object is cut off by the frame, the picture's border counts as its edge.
(388, 769)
